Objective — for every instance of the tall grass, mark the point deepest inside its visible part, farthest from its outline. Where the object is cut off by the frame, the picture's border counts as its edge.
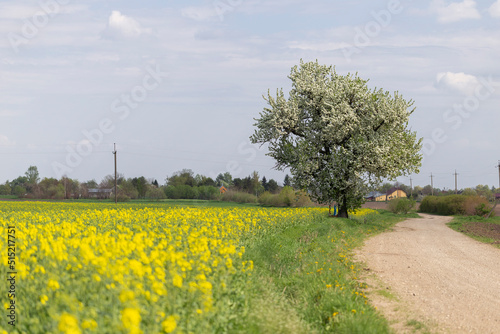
(310, 268)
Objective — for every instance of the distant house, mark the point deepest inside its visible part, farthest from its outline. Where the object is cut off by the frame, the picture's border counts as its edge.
(497, 196)
(375, 196)
(395, 193)
(100, 193)
(381, 197)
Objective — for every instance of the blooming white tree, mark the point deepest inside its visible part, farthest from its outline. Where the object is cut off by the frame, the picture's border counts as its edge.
(337, 136)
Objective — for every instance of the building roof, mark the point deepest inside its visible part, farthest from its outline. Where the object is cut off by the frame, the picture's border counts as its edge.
(393, 189)
(97, 190)
(374, 194)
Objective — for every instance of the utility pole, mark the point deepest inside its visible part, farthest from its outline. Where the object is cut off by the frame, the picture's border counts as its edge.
(116, 197)
(411, 188)
(498, 173)
(456, 190)
(432, 185)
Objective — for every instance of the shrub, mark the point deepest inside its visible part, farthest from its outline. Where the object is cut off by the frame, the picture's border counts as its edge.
(122, 198)
(207, 192)
(401, 205)
(5, 189)
(155, 193)
(451, 205)
(287, 196)
(266, 198)
(302, 199)
(429, 204)
(18, 191)
(239, 197)
(476, 206)
(181, 192)
(455, 205)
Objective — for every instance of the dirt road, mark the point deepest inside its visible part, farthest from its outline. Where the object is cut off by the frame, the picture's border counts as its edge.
(426, 273)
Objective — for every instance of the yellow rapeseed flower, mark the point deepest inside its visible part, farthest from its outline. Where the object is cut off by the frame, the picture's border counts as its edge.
(169, 324)
(89, 324)
(53, 284)
(43, 299)
(131, 319)
(68, 324)
(126, 295)
(177, 281)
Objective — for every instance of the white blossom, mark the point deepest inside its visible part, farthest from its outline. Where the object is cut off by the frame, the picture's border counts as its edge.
(336, 135)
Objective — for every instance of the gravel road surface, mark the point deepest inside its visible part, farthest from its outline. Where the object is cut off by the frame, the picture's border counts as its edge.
(427, 274)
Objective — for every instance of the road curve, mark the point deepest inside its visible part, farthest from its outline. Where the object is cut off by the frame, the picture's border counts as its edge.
(440, 275)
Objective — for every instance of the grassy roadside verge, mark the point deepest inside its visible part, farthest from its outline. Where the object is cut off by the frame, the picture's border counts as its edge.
(478, 228)
(308, 280)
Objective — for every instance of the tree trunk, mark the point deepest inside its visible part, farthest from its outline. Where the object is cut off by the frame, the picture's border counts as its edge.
(343, 208)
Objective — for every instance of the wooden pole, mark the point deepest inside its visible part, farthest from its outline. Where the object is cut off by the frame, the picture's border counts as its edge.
(116, 176)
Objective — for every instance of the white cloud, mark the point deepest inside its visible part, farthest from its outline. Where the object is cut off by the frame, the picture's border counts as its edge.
(494, 10)
(16, 11)
(21, 11)
(5, 141)
(102, 57)
(200, 13)
(125, 26)
(464, 83)
(456, 11)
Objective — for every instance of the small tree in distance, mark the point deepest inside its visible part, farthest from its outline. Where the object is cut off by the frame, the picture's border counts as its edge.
(337, 136)
(287, 181)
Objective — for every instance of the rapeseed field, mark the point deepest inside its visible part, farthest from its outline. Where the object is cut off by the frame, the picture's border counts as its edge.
(130, 268)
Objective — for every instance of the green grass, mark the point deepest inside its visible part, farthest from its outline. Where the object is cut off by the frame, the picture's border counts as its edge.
(311, 269)
(417, 326)
(458, 222)
(8, 197)
(386, 293)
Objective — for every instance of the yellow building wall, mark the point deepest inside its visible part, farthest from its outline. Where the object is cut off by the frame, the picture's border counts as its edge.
(397, 194)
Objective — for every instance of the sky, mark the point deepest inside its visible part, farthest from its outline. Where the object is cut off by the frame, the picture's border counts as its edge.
(178, 84)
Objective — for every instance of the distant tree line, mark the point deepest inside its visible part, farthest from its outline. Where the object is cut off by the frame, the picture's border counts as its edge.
(419, 192)
(182, 184)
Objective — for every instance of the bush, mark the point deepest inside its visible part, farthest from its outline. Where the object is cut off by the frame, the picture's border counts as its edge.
(302, 199)
(18, 191)
(5, 189)
(207, 192)
(266, 198)
(287, 196)
(455, 205)
(155, 193)
(181, 192)
(429, 204)
(476, 206)
(122, 198)
(239, 197)
(401, 205)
